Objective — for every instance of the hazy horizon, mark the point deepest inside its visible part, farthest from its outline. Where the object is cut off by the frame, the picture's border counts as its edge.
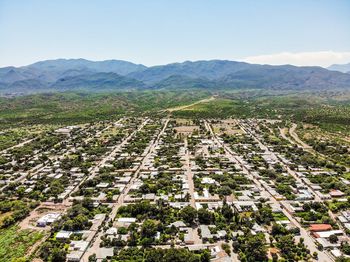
(174, 62)
(160, 32)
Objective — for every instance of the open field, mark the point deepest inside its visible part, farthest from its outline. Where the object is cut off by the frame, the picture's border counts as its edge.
(330, 111)
(228, 126)
(15, 243)
(184, 122)
(186, 129)
(65, 108)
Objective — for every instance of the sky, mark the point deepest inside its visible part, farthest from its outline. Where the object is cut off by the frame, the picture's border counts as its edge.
(153, 32)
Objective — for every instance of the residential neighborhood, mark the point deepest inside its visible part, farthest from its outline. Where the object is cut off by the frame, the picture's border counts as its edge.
(219, 189)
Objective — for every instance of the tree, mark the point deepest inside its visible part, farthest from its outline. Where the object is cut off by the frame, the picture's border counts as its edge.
(256, 246)
(225, 191)
(287, 246)
(342, 259)
(277, 229)
(122, 230)
(149, 228)
(205, 256)
(20, 259)
(226, 248)
(45, 250)
(146, 241)
(345, 247)
(251, 247)
(204, 216)
(92, 258)
(173, 255)
(87, 203)
(333, 238)
(21, 190)
(7, 221)
(227, 212)
(58, 255)
(188, 214)
(56, 187)
(265, 215)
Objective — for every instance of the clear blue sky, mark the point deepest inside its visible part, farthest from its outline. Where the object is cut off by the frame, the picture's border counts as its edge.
(162, 31)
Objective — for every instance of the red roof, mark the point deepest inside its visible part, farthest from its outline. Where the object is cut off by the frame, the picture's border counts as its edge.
(320, 227)
(336, 193)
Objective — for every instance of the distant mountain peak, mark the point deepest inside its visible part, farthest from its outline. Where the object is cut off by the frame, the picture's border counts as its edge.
(344, 68)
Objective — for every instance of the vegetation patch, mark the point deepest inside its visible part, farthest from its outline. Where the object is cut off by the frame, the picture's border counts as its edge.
(15, 243)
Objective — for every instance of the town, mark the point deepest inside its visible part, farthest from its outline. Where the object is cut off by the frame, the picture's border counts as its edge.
(206, 189)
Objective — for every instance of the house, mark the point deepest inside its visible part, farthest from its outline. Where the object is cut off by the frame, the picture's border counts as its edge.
(258, 229)
(323, 196)
(218, 255)
(320, 227)
(149, 196)
(47, 219)
(74, 256)
(126, 221)
(177, 224)
(242, 206)
(179, 204)
(77, 249)
(79, 245)
(205, 232)
(221, 234)
(208, 180)
(336, 193)
(104, 252)
(63, 234)
(325, 243)
(66, 130)
(188, 237)
(112, 231)
(346, 215)
(336, 252)
(304, 195)
(102, 185)
(327, 234)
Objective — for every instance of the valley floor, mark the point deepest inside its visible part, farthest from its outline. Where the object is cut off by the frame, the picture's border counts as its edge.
(135, 188)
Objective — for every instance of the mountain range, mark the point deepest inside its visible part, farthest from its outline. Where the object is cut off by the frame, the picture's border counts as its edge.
(113, 75)
(345, 68)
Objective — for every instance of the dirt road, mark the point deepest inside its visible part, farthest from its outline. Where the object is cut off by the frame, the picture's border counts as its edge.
(296, 137)
(189, 174)
(186, 106)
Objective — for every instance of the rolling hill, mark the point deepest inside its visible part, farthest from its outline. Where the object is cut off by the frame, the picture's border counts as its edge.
(97, 82)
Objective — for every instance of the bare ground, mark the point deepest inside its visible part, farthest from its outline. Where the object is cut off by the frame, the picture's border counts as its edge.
(295, 136)
(186, 106)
